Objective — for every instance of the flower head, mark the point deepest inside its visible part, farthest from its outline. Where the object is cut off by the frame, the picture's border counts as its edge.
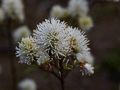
(29, 53)
(27, 50)
(78, 7)
(27, 84)
(21, 32)
(42, 57)
(58, 12)
(85, 22)
(87, 57)
(13, 9)
(51, 36)
(78, 42)
(86, 68)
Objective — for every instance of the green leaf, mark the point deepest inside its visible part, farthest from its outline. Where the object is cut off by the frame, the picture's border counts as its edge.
(68, 67)
(111, 9)
(112, 58)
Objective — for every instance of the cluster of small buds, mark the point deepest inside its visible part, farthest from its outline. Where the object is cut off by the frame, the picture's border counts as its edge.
(52, 42)
(27, 84)
(78, 7)
(77, 11)
(13, 9)
(21, 32)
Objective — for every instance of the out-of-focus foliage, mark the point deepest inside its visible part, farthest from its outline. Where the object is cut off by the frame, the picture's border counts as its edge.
(112, 59)
(30, 69)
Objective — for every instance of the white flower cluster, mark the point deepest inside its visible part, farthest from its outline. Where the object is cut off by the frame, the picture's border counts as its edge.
(85, 22)
(21, 32)
(77, 9)
(27, 50)
(51, 36)
(13, 9)
(29, 53)
(54, 40)
(59, 12)
(27, 84)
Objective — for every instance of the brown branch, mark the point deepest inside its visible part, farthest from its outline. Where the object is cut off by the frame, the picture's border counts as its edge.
(54, 65)
(66, 73)
(50, 71)
(55, 75)
(62, 74)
